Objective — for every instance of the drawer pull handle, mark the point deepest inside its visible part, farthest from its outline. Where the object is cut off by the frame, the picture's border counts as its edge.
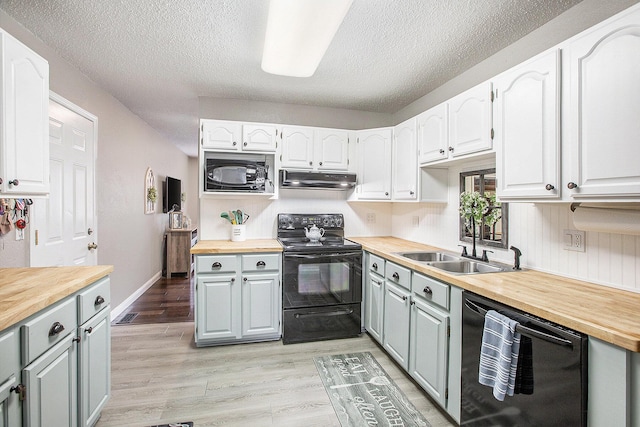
(375, 266)
(427, 290)
(56, 328)
(76, 339)
(89, 329)
(20, 390)
(396, 276)
(216, 265)
(404, 297)
(99, 300)
(261, 264)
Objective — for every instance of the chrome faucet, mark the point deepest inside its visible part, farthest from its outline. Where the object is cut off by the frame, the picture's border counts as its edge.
(517, 254)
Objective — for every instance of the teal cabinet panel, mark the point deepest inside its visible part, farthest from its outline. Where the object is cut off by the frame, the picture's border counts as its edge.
(396, 323)
(94, 367)
(217, 307)
(260, 304)
(51, 387)
(374, 306)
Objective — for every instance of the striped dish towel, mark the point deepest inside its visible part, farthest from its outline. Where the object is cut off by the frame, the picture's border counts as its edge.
(499, 354)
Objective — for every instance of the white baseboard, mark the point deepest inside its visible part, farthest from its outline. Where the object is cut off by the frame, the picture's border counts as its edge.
(117, 311)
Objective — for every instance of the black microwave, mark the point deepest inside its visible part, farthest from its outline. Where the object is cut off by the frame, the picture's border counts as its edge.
(237, 175)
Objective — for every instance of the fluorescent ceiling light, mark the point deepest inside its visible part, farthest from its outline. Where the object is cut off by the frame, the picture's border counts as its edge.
(299, 33)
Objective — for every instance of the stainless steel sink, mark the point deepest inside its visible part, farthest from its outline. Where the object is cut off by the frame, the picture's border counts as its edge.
(466, 267)
(425, 256)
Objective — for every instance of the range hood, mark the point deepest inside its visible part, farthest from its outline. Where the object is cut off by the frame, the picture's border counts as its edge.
(317, 180)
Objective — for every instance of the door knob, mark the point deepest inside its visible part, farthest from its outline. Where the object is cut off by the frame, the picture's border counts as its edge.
(572, 185)
(14, 182)
(92, 245)
(549, 187)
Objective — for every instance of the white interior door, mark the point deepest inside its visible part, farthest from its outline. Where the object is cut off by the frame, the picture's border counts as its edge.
(64, 225)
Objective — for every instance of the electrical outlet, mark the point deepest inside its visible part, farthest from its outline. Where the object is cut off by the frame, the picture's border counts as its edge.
(415, 221)
(574, 240)
(371, 218)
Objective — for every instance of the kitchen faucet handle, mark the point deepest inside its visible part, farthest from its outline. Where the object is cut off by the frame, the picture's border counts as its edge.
(464, 250)
(485, 258)
(517, 254)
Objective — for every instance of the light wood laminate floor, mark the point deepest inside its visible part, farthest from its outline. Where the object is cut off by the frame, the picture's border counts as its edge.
(159, 376)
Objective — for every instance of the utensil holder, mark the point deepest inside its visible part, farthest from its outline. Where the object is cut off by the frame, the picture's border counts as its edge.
(238, 233)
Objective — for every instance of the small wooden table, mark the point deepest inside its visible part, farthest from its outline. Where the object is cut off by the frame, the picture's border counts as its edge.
(179, 243)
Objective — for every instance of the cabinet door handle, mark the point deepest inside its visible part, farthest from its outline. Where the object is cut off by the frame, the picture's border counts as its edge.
(89, 329)
(411, 193)
(386, 193)
(549, 187)
(20, 390)
(396, 276)
(234, 143)
(320, 163)
(572, 185)
(233, 279)
(56, 328)
(261, 264)
(427, 290)
(14, 182)
(216, 265)
(451, 149)
(245, 144)
(245, 279)
(310, 163)
(404, 297)
(441, 151)
(99, 300)
(374, 266)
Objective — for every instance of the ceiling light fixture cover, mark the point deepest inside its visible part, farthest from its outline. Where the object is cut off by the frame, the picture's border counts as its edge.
(299, 33)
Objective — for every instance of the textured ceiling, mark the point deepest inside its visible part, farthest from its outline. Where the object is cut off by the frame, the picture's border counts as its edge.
(158, 56)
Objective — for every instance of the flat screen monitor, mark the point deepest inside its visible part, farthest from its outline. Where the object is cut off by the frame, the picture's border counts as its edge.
(172, 195)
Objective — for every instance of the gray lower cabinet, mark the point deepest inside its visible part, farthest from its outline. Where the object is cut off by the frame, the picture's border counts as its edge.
(397, 299)
(417, 320)
(237, 298)
(374, 296)
(9, 378)
(55, 366)
(428, 361)
(51, 387)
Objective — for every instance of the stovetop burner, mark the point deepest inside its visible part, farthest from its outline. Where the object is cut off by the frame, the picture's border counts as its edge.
(292, 233)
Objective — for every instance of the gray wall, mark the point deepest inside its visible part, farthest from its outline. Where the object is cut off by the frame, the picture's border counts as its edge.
(128, 239)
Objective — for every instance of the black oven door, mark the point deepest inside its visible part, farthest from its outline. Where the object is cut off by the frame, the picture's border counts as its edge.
(321, 279)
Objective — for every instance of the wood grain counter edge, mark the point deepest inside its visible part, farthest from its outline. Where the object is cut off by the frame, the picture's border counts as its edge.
(26, 291)
(603, 312)
(228, 247)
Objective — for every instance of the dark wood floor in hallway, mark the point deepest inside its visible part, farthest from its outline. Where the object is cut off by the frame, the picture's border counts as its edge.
(166, 301)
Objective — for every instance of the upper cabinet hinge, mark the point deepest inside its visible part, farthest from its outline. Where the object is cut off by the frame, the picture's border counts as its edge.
(448, 331)
(276, 145)
(280, 157)
(446, 394)
(492, 96)
(492, 133)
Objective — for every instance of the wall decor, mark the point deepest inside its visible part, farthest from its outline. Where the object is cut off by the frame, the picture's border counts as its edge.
(150, 192)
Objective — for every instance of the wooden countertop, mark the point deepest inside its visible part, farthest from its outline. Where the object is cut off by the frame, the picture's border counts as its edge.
(25, 291)
(229, 247)
(610, 314)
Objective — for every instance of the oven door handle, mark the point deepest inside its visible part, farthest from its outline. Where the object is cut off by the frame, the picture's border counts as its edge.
(324, 313)
(322, 255)
(523, 330)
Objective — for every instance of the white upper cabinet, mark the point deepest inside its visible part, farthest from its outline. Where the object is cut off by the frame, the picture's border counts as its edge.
(405, 165)
(297, 147)
(24, 139)
(433, 134)
(332, 149)
(604, 110)
(238, 136)
(374, 164)
(527, 129)
(315, 148)
(470, 121)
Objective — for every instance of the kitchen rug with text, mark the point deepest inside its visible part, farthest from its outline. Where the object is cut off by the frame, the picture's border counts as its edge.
(362, 394)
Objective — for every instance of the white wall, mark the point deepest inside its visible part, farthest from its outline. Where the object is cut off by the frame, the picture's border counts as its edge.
(127, 238)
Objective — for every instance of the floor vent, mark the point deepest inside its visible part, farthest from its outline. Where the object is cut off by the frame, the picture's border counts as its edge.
(127, 318)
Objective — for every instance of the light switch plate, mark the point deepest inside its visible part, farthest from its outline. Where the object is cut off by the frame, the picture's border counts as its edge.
(574, 240)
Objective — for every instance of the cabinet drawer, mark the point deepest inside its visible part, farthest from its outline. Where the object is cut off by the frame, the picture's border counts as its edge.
(216, 264)
(399, 275)
(431, 290)
(260, 262)
(93, 299)
(376, 264)
(45, 330)
(9, 354)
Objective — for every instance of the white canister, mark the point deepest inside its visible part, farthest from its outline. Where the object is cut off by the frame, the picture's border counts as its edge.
(238, 233)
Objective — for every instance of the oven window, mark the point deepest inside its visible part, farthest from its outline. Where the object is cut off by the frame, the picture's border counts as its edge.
(323, 278)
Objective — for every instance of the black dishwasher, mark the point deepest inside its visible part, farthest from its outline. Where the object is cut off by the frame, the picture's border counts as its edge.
(556, 358)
